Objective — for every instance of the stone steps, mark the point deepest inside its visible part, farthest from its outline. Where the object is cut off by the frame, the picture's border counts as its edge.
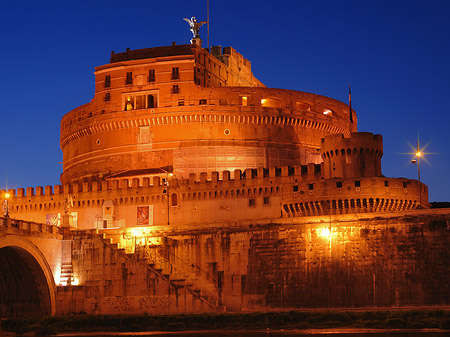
(174, 279)
(66, 276)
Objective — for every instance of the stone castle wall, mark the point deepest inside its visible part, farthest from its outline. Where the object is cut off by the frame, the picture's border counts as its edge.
(259, 194)
(368, 261)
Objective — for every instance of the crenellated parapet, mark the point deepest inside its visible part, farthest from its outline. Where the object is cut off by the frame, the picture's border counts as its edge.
(261, 193)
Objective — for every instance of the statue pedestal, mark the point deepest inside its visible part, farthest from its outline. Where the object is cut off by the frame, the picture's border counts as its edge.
(197, 41)
(65, 221)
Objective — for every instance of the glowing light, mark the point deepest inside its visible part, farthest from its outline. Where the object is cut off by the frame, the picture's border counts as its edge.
(325, 233)
(170, 174)
(327, 112)
(7, 195)
(418, 154)
(263, 101)
(75, 281)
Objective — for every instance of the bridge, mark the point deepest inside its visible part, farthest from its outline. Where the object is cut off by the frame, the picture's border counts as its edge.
(31, 257)
(48, 270)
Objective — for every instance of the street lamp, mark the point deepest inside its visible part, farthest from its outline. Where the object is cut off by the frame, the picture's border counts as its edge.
(166, 184)
(418, 154)
(5, 205)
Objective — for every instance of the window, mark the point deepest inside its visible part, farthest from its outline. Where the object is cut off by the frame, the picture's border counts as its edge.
(180, 103)
(405, 184)
(357, 183)
(202, 101)
(151, 75)
(174, 199)
(339, 184)
(107, 97)
(310, 187)
(175, 73)
(175, 89)
(251, 202)
(295, 188)
(266, 200)
(271, 103)
(107, 81)
(386, 183)
(244, 101)
(129, 103)
(142, 100)
(129, 79)
(151, 102)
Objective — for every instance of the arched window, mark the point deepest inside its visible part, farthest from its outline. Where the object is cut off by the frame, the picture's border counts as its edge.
(174, 199)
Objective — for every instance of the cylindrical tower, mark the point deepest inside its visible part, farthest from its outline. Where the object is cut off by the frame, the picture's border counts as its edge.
(356, 157)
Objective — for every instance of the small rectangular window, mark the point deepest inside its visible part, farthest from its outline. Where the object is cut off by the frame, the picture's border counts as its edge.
(251, 202)
(175, 73)
(107, 97)
(202, 102)
(295, 188)
(244, 101)
(386, 183)
(180, 103)
(129, 79)
(107, 81)
(310, 187)
(357, 183)
(175, 89)
(338, 184)
(266, 200)
(405, 184)
(151, 75)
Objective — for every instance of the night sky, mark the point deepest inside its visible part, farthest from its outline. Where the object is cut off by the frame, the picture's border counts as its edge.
(395, 54)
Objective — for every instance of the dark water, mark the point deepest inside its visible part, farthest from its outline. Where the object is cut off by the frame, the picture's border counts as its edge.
(278, 333)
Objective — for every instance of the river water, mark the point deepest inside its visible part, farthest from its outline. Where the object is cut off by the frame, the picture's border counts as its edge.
(275, 333)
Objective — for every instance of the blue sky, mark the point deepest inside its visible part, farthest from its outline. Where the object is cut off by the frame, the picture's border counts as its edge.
(395, 54)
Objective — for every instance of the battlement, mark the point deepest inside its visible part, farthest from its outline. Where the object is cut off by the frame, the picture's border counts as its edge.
(307, 172)
(250, 194)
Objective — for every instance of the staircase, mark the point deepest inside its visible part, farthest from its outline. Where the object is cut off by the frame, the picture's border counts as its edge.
(177, 277)
(66, 277)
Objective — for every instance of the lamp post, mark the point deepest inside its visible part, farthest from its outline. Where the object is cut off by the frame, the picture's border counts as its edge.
(166, 184)
(6, 206)
(418, 154)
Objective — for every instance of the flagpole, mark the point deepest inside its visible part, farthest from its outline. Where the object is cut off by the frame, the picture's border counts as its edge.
(350, 106)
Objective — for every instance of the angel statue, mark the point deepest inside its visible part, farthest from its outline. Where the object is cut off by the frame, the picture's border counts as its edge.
(195, 26)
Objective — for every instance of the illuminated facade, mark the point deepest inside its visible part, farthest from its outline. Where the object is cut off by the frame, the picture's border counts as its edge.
(189, 111)
(192, 170)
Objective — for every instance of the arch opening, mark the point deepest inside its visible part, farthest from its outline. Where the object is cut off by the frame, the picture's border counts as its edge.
(24, 291)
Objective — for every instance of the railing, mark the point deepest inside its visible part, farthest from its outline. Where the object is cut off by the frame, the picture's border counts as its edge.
(29, 226)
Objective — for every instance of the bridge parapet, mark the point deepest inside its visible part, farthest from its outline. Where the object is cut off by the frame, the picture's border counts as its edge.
(29, 227)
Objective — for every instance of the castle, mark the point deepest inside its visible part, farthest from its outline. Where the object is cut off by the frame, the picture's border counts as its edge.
(189, 186)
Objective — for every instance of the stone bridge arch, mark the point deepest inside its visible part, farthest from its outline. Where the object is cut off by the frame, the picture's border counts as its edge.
(27, 286)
